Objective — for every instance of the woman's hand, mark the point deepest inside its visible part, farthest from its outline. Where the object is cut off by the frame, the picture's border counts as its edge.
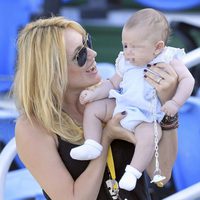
(164, 79)
(113, 130)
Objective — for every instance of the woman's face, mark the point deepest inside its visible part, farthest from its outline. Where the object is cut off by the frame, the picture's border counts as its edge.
(80, 77)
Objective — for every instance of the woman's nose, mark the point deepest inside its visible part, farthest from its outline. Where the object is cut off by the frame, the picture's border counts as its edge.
(91, 53)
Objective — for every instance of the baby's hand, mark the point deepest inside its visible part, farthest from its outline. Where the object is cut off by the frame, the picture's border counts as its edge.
(170, 108)
(86, 96)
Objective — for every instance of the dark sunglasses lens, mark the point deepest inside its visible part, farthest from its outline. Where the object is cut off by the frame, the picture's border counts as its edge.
(82, 56)
(89, 41)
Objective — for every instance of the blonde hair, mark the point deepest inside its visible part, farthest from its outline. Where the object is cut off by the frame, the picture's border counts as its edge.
(154, 20)
(41, 77)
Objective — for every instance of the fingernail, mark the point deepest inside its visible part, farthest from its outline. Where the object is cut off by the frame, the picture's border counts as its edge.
(145, 76)
(123, 113)
(148, 65)
(145, 70)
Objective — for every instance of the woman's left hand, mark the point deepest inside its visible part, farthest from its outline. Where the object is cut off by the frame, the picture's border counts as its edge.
(164, 79)
(113, 130)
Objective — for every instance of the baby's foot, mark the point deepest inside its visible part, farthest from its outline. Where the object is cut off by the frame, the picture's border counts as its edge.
(129, 179)
(88, 151)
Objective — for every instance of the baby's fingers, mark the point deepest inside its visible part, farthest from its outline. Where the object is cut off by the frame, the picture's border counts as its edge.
(82, 99)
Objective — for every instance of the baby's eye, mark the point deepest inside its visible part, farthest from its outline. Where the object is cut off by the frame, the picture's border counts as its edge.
(125, 46)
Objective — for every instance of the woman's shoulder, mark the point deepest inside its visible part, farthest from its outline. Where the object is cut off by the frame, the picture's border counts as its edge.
(26, 131)
(26, 127)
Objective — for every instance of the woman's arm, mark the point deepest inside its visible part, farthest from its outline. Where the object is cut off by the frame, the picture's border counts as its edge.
(168, 144)
(167, 154)
(38, 150)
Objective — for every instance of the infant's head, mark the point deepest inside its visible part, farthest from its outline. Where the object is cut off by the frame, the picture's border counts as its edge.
(144, 36)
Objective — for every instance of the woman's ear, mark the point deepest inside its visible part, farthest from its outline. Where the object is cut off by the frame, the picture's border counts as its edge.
(159, 47)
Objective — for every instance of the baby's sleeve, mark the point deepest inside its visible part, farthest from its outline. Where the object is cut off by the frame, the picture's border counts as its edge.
(180, 53)
(119, 63)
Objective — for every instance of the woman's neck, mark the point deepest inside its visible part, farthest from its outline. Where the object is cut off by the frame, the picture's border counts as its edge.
(73, 107)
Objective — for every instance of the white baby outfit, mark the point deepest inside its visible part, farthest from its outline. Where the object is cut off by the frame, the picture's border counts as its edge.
(136, 94)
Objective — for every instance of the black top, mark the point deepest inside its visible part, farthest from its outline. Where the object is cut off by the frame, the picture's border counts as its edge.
(122, 155)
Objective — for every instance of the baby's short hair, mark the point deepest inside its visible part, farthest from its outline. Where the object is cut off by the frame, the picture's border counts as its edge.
(154, 20)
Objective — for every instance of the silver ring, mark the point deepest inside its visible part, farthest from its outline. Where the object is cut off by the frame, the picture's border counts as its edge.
(158, 80)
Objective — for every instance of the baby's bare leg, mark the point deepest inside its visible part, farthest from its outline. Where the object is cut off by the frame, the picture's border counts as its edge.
(143, 154)
(145, 145)
(95, 113)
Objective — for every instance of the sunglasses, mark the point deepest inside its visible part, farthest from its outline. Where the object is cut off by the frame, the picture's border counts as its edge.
(81, 55)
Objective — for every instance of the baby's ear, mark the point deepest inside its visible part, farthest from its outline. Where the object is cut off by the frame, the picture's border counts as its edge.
(159, 47)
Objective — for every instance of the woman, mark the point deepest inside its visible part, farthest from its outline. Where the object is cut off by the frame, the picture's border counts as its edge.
(55, 63)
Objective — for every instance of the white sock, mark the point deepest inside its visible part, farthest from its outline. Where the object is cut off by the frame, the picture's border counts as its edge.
(88, 151)
(129, 179)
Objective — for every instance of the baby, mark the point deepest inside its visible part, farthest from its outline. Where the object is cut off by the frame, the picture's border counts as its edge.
(144, 38)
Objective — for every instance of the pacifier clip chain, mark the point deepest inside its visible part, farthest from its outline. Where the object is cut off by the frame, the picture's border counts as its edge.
(157, 178)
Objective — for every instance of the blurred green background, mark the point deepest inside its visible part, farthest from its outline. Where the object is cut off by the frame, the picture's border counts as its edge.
(107, 39)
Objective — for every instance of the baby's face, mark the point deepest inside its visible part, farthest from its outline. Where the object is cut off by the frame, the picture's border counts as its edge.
(138, 47)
